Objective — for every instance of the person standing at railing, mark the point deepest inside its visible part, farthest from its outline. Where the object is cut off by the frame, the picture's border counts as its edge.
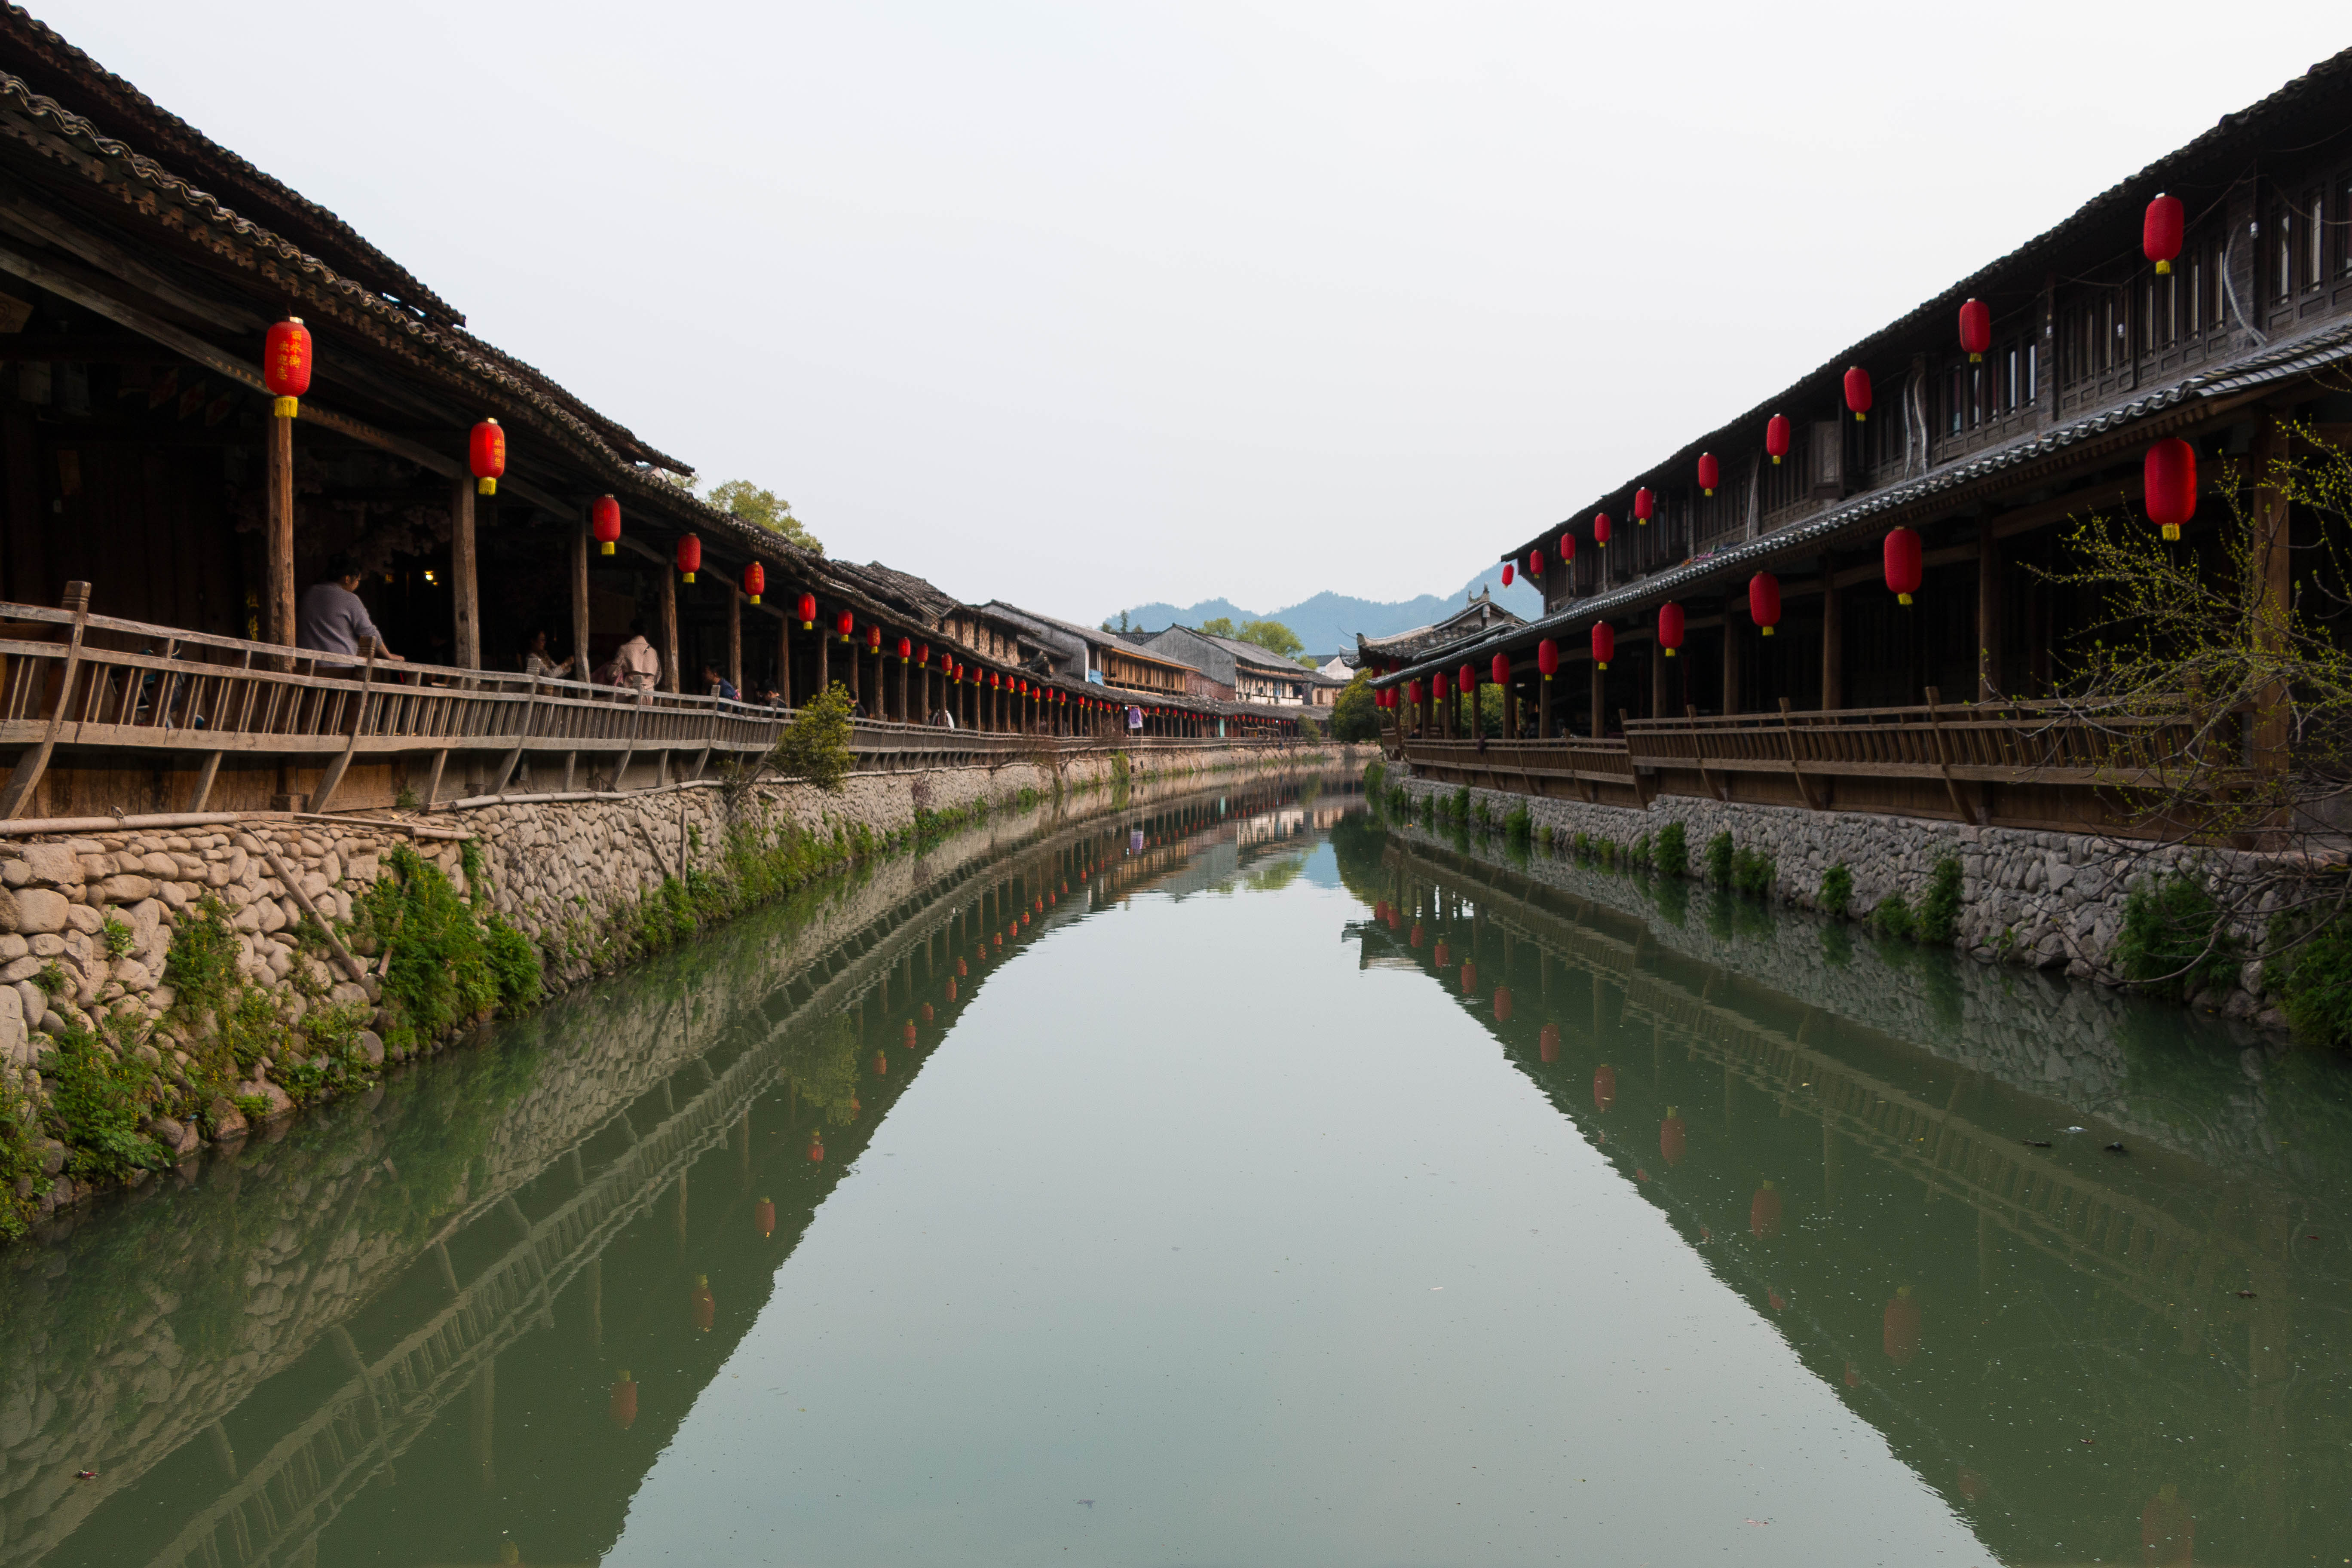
(538, 663)
(640, 665)
(332, 619)
(720, 685)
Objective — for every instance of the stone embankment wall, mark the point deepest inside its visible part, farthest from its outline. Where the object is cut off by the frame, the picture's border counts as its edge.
(87, 920)
(2050, 900)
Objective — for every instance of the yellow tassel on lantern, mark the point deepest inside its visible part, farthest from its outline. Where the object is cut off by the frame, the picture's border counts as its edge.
(287, 408)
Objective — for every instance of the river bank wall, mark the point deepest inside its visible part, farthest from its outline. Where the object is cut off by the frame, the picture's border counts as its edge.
(2041, 900)
(89, 922)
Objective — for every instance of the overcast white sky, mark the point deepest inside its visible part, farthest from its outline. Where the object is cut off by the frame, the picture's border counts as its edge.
(1085, 305)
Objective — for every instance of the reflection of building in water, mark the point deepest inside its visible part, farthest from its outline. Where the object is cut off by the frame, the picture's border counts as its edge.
(1984, 1287)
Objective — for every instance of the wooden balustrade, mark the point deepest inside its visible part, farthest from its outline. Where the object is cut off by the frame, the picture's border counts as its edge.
(82, 693)
(2047, 765)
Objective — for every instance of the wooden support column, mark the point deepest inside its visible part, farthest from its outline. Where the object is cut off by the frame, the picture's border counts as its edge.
(1732, 642)
(1988, 613)
(2274, 587)
(1543, 708)
(904, 716)
(277, 601)
(665, 626)
(1662, 679)
(735, 637)
(824, 664)
(465, 578)
(1833, 640)
(579, 576)
(1599, 702)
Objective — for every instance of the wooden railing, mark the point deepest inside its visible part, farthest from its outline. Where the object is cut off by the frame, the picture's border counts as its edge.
(79, 683)
(2029, 763)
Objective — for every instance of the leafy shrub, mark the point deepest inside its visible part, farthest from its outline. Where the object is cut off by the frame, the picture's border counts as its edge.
(1638, 852)
(95, 1104)
(1751, 873)
(514, 965)
(1939, 911)
(1718, 859)
(1893, 919)
(1356, 716)
(2172, 942)
(118, 936)
(1373, 773)
(1518, 827)
(1462, 804)
(438, 970)
(1836, 896)
(2312, 978)
(1673, 851)
(814, 747)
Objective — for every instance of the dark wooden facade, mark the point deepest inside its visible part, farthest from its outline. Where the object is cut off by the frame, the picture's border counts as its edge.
(2094, 357)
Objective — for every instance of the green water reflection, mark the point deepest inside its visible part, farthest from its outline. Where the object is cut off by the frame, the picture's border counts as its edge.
(1069, 1192)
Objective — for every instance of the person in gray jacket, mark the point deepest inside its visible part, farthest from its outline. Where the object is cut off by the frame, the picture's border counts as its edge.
(331, 618)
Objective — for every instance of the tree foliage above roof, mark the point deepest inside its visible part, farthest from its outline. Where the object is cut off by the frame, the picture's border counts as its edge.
(764, 508)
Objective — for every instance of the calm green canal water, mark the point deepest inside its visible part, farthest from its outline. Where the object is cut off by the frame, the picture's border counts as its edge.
(1237, 1180)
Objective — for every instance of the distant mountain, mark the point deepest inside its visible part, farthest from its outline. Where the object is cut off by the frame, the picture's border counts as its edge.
(1329, 622)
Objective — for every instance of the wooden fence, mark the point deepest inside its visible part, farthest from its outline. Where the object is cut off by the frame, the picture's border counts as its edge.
(107, 715)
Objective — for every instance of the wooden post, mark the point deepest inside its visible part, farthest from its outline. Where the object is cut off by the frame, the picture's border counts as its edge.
(1543, 708)
(2274, 587)
(905, 717)
(1732, 644)
(823, 663)
(666, 629)
(1600, 698)
(735, 637)
(277, 601)
(579, 576)
(1662, 672)
(1832, 639)
(465, 583)
(1987, 613)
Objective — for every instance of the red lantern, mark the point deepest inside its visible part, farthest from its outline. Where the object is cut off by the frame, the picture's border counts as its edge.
(1903, 563)
(1567, 549)
(689, 555)
(1857, 391)
(764, 1216)
(1508, 569)
(605, 520)
(1764, 600)
(906, 650)
(1502, 668)
(922, 656)
(1604, 1086)
(1670, 627)
(872, 640)
(705, 1306)
(1709, 472)
(808, 612)
(1547, 657)
(1976, 329)
(845, 622)
(755, 581)
(1535, 564)
(1600, 530)
(623, 1408)
(1467, 680)
(1645, 504)
(2170, 471)
(2159, 232)
(1547, 1042)
(1776, 437)
(1413, 692)
(1902, 1327)
(1764, 1211)
(1671, 1137)
(1604, 643)
(285, 364)
(486, 454)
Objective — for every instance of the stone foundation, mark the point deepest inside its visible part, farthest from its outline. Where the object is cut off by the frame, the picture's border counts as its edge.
(2050, 900)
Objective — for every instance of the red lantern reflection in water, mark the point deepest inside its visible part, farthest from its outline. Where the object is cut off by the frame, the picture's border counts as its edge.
(705, 1306)
(952, 983)
(927, 1013)
(1604, 1086)
(816, 1146)
(907, 1035)
(2167, 1531)
(1443, 957)
(1547, 1042)
(1416, 938)
(881, 1065)
(1502, 1004)
(1779, 1302)
(1764, 1211)
(1902, 1327)
(623, 1408)
(1671, 1137)
(763, 1215)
